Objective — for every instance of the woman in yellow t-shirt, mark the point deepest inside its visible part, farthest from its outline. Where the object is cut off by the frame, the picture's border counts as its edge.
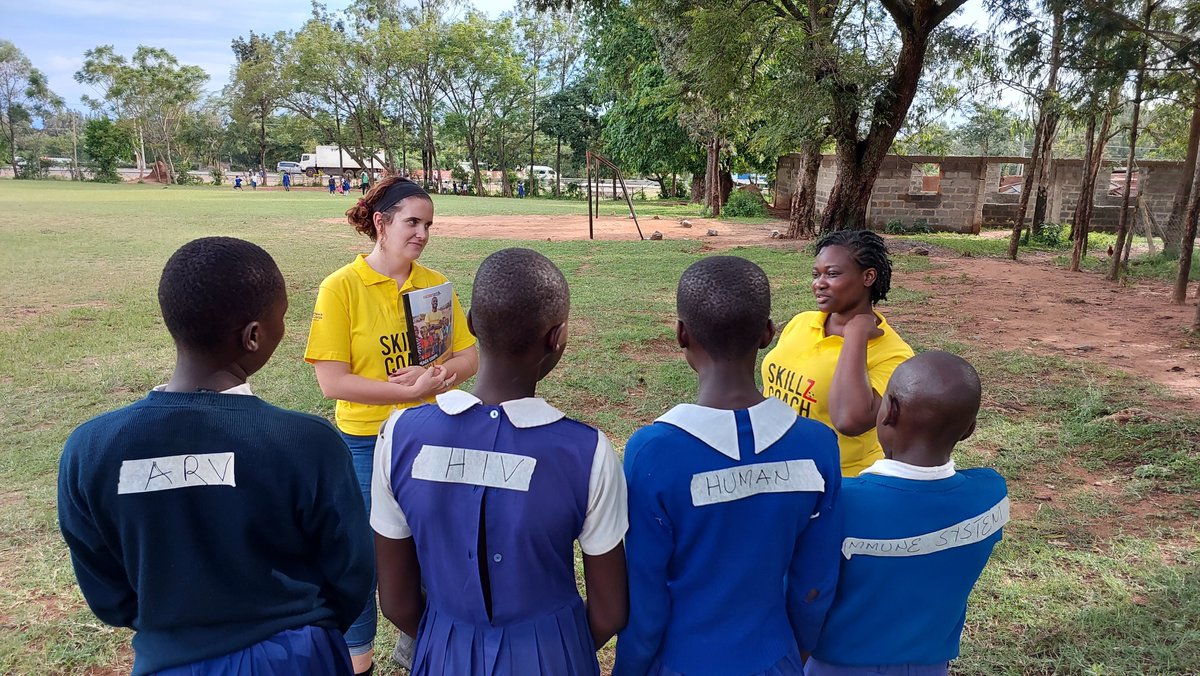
(833, 365)
(359, 344)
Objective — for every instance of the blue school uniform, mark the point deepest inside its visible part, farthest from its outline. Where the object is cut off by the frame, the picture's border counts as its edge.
(916, 541)
(533, 481)
(733, 521)
(228, 533)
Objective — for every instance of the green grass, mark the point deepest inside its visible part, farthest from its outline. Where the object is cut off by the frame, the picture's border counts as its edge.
(1142, 266)
(1102, 578)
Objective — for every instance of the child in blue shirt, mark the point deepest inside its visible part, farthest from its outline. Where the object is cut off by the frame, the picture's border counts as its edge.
(229, 534)
(734, 522)
(918, 532)
(481, 497)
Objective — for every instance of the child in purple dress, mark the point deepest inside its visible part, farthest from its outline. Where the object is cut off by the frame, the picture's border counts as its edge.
(480, 498)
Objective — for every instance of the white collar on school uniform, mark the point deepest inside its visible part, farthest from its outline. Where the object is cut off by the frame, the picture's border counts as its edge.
(244, 388)
(903, 470)
(770, 419)
(522, 413)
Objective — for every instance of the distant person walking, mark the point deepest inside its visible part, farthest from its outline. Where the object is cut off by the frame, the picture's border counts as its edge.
(346, 185)
(287, 182)
(364, 182)
(332, 185)
(237, 182)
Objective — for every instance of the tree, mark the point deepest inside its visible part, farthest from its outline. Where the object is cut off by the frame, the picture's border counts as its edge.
(106, 142)
(535, 35)
(1121, 256)
(641, 130)
(254, 87)
(477, 52)
(570, 115)
(565, 38)
(860, 154)
(24, 94)
(152, 89)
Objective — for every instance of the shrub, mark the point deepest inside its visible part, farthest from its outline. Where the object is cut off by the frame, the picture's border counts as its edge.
(1052, 235)
(745, 204)
(897, 227)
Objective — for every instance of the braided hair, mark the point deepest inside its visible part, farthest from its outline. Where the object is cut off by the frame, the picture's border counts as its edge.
(868, 251)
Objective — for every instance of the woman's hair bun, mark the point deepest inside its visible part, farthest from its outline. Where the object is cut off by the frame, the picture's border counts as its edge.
(359, 216)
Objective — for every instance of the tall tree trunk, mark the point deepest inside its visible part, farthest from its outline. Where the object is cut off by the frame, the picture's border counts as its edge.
(716, 178)
(1114, 267)
(803, 209)
(1187, 242)
(1196, 321)
(262, 144)
(1173, 230)
(141, 158)
(710, 174)
(76, 172)
(1082, 221)
(1045, 127)
(533, 181)
(1087, 191)
(12, 148)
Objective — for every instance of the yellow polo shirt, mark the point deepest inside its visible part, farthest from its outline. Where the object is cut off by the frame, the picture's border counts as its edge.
(359, 319)
(800, 368)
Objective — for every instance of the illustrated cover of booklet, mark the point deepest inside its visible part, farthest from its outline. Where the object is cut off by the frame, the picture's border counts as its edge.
(430, 323)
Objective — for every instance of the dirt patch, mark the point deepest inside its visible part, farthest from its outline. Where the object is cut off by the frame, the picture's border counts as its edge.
(1041, 308)
(654, 351)
(570, 227)
(26, 313)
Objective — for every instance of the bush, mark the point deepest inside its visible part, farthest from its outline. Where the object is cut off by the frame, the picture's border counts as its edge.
(745, 204)
(217, 176)
(897, 227)
(1052, 235)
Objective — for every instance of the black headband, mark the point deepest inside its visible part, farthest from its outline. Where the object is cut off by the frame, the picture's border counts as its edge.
(400, 190)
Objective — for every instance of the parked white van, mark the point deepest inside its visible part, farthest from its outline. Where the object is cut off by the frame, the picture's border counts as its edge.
(288, 167)
(541, 173)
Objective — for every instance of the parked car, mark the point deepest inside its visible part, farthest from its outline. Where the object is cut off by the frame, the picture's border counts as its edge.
(288, 168)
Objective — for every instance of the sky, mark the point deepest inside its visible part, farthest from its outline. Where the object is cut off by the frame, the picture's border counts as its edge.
(54, 34)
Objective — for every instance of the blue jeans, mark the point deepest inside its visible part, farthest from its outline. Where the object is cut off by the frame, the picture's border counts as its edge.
(361, 636)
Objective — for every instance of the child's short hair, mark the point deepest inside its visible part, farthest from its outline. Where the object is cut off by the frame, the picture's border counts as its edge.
(518, 295)
(213, 286)
(725, 303)
(869, 251)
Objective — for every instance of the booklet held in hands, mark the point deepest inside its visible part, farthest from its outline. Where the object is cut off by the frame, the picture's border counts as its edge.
(430, 315)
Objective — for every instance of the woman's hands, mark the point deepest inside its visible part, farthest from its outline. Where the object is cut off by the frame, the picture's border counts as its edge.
(423, 382)
(862, 327)
(853, 403)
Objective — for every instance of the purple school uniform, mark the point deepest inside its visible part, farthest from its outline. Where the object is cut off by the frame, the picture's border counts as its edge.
(543, 481)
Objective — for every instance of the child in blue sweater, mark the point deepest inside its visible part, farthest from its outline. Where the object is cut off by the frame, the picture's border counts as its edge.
(918, 532)
(229, 534)
(734, 522)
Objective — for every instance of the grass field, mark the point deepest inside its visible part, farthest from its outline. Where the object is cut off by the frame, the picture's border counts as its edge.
(1105, 580)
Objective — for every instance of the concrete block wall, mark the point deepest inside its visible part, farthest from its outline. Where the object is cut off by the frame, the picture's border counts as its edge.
(967, 195)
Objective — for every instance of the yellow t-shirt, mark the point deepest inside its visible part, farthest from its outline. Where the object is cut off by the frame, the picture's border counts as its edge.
(359, 319)
(800, 368)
